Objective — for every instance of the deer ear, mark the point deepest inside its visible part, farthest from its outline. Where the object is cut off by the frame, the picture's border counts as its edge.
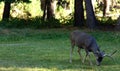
(100, 53)
(97, 52)
(103, 53)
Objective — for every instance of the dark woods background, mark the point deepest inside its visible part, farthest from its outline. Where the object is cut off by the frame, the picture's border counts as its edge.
(60, 13)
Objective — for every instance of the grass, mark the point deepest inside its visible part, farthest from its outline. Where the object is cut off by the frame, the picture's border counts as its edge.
(48, 50)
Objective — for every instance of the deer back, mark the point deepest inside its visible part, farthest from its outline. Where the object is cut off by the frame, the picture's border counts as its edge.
(84, 40)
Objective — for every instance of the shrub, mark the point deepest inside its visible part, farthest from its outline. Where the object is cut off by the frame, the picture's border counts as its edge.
(30, 23)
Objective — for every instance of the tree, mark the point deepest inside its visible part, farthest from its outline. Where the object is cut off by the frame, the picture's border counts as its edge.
(79, 13)
(107, 4)
(91, 21)
(6, 12)
(48, 7)
(106, 7)
(7, 6)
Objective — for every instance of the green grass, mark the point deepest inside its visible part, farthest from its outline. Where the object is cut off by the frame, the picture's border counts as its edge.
(48, 50)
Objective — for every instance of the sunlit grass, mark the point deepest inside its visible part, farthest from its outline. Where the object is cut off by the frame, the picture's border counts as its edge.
(48, 50)
(23, 69)
(93, 68)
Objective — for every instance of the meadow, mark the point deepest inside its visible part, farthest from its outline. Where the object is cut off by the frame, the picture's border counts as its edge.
(48, 50)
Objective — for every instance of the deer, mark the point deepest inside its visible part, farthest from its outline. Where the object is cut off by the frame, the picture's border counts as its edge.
(87, 42)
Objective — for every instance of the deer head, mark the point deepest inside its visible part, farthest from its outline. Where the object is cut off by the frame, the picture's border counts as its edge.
(101, 55)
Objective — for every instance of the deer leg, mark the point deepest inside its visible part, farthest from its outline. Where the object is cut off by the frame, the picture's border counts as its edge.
(80, 53)
(71, 52)
(85, 57)
(87, 54)
(89, 59)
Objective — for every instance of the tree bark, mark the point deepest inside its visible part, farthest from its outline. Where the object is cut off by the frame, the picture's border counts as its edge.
(79, 13)
(44, 8)
(91, 21)
(6, 12)
(50, 9)
(106, 7)
(42, 5)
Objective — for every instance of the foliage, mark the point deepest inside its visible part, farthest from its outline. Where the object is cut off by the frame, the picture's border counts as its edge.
(30, 23)
(26, 10)
(30, 12)
(1, 9)
(48, 50)
(67, 21)
(11, 1)
(107, 21)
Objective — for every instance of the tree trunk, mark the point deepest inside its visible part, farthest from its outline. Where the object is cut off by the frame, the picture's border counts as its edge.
(6, 12)
(42, 4)
(44, 8)
(79, 13)
(91, 21)
(106, 7)
(50, 9)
